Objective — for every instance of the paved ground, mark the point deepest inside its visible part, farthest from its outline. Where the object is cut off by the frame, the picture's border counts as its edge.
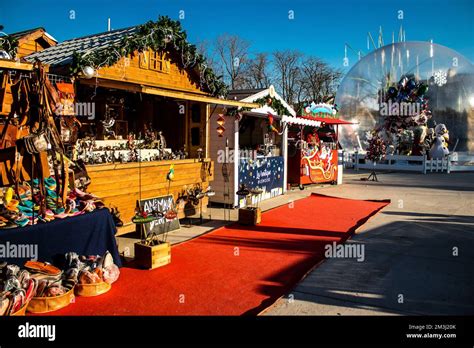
(408, 252)
(408, 249)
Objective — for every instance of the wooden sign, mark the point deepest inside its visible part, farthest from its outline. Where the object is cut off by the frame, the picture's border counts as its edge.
(162, 225)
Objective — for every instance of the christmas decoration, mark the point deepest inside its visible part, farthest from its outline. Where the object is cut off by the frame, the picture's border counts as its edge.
(274, 103)
(439, 149)
(220, 125)
(440, 78)
(162, 35)
(377, 149)
(319, 110)
(405, 112)
(170, 175)
(88, 72)
(8, 47)
(271, 127)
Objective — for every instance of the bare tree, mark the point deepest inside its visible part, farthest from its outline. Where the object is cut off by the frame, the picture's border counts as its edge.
(319, 79)
(288, 74)
(233, 54)
(257, 74)
(205, 48)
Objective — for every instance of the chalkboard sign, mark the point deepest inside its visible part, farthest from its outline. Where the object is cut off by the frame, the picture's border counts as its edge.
(162, 225)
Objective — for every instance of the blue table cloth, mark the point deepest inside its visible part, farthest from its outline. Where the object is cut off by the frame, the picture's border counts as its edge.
(88, 234)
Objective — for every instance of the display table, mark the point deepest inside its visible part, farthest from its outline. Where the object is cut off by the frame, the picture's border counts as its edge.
(88, 234)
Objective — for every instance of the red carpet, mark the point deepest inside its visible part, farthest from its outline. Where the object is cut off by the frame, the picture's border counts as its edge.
(206, 277)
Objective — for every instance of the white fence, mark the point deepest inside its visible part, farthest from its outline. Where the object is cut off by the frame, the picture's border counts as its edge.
(455, 162)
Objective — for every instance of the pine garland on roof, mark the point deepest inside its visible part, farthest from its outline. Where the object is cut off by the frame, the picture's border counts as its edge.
(164, 34)
(9, 45)
(274, 103)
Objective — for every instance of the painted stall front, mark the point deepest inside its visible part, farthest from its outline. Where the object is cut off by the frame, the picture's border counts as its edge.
(249, 147)
(313, 146)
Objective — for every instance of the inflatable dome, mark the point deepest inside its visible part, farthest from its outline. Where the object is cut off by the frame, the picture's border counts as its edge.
(450, 93)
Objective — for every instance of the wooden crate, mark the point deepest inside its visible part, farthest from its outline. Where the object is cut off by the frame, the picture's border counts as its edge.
(151, 257)
(250, 216)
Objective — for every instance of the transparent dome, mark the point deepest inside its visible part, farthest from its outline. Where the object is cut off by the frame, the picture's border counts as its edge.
(450, 80)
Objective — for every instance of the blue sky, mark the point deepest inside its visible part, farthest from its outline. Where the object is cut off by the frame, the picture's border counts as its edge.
(319, 28)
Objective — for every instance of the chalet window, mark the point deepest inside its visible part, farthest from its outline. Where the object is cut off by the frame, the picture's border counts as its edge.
(156, 61)
(195, 136)
(196, 113)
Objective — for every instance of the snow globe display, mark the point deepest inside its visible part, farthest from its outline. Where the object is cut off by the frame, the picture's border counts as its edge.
(402, 91)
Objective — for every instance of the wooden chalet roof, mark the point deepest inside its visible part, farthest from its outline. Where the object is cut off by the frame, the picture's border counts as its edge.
(62, 53)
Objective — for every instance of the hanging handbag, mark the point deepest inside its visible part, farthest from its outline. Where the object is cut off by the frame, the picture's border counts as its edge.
(37, 142)
(81, 177)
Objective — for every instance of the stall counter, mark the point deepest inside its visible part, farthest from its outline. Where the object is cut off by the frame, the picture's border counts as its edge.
(119, 184)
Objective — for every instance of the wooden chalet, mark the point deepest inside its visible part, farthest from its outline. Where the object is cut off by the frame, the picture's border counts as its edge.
(148, 88)
(29, 41)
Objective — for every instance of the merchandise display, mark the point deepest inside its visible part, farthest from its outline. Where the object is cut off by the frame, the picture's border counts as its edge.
(313, 145)
(17, 288)
(91, 269)
(41, 287)
(28, 207)
(93, 151)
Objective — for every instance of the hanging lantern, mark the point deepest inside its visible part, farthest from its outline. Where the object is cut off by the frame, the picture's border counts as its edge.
(220, 125)
(220, 131)
(220, 120)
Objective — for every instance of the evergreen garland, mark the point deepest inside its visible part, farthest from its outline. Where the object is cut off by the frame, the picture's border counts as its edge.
(164, 34)
(9, 45)
(275, 104)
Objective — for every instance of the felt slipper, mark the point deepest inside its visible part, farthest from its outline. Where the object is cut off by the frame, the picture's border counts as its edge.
(52, 194)
(50, 182)
(27, 203)
(107, 259)
(42, 284)
(22, 222)
(30, 289)
(4, 304)
(62, 215)
(58, 211)
(82, 194)
(111, 273)
(32, 222)
(18, 300)
(24, 209)
(42, 267)
(9, 225)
